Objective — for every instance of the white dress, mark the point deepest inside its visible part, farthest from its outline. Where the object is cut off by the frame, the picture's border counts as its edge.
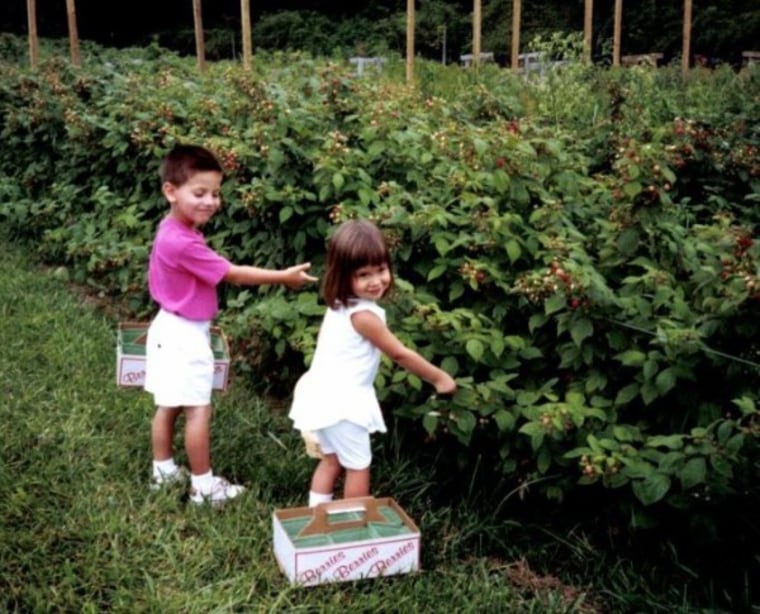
(339, 385)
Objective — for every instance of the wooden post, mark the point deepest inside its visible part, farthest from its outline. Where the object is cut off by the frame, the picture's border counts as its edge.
(245, 10)
(686, 52)
(476, 33)
(34, 41)
(71, 14)
(588, 25)
(617, 32)
(516, 19)
(200, 45)
(409, 41)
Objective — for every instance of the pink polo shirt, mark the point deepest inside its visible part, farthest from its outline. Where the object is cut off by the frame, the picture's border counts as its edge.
(183, 272)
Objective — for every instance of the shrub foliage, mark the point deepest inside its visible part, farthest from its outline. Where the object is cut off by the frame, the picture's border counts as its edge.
(577, 249)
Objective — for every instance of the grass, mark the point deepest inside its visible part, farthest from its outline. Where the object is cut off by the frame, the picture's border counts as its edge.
(81, 531)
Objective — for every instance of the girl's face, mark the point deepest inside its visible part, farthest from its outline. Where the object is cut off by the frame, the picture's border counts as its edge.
(371, 282)
(194, 202)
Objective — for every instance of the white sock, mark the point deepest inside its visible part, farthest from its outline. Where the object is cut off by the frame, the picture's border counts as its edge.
(203, 482)
(315, 498)
(164, 467)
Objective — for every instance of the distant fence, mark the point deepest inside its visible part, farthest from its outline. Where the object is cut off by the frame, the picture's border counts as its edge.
(474, 59)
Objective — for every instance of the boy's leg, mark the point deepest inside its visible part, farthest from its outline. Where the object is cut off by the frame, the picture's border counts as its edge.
(357, 483)
(165, 470)
(197, 438)
(162, 432)
(205, 487)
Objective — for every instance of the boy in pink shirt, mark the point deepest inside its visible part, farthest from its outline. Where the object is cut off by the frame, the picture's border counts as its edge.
(183, 274)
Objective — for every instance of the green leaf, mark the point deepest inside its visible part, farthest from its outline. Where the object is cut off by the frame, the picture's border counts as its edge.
(628, 241)
(544, 460)
(285, 214)
(624, 433)
(636, 468)
(650, 368)
(430, 422)
(450, 364)
(504, 420)
(734, 445)
(627, 394)
(457, 290)
(554, 303)
(366, 196)
(376, 148)
(672, 442)
(497, 345)
(651, 489)
(338, 180)
(724, 431)
(536, 432)
(475, 348)
(722, 466)
(595, 381)
(632, 189)
(465, 420)
(693, 473)
(537, 320)
(436, 271)
(515, 342)
(580, 330)
(746, 405)
(631, 358)
(513, 250)
(649, 393)
(441, 245)
(665, 380)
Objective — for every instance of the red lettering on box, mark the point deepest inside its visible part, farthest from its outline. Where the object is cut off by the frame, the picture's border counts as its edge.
(380, 566)
(132, 377)
(315, 572)
(344, 571)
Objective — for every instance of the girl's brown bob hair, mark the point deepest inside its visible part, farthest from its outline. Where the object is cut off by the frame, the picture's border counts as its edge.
(356, 243)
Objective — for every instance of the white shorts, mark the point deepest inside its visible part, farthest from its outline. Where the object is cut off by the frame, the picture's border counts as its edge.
(179, 363)
(349, 441)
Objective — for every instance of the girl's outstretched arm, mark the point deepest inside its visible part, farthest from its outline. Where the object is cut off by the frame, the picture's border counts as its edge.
(372, 328)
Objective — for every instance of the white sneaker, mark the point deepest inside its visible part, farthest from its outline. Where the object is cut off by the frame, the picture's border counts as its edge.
(169, 480)
(220, 492)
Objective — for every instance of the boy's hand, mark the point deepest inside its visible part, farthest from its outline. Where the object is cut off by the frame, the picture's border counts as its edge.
(296, 276)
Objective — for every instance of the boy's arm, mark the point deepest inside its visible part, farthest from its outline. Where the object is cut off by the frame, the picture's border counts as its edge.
(372, 328)
(293, 277)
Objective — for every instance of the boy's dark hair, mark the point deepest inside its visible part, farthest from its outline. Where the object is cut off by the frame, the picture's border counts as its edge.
(354, 244)
(183, 161)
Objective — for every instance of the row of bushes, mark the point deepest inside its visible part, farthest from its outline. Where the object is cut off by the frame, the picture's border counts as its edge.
(578, 250)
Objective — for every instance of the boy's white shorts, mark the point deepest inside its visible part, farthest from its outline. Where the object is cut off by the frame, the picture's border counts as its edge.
(179, 363)
(349, 441)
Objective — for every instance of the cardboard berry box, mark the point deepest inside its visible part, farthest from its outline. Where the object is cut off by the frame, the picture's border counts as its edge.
(345, 540)
(130, 355)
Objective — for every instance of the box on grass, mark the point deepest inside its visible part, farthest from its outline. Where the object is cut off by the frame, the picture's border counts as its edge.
(130, 355)
(345, 540)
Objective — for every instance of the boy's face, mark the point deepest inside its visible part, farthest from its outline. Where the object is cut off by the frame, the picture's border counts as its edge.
(195, 201)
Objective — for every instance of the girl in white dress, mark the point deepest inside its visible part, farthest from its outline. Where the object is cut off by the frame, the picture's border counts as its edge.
(335, 399)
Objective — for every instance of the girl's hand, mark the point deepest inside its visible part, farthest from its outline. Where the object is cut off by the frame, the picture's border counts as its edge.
(445, 384)
(296, 276)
